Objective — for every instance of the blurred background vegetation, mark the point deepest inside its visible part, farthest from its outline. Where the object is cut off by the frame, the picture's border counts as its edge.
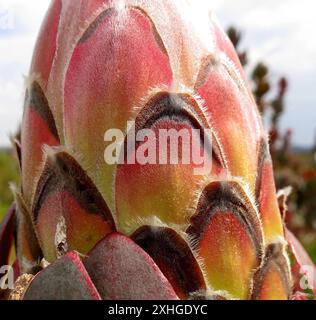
(294, 167)
(8, 173)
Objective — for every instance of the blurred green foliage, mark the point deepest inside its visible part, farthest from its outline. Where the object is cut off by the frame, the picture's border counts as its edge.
(9, 172)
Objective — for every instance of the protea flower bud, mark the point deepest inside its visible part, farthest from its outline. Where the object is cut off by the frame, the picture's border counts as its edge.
(142, 229)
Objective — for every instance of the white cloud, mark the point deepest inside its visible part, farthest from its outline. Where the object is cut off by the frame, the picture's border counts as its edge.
(288, 25)
(280, 33)
(26, 13)
(12, 101)
(16, 47)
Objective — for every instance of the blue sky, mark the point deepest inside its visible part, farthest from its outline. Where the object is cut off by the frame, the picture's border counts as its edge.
(278, 32)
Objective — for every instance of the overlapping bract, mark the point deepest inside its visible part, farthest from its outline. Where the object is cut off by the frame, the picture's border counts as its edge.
(145, 231)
